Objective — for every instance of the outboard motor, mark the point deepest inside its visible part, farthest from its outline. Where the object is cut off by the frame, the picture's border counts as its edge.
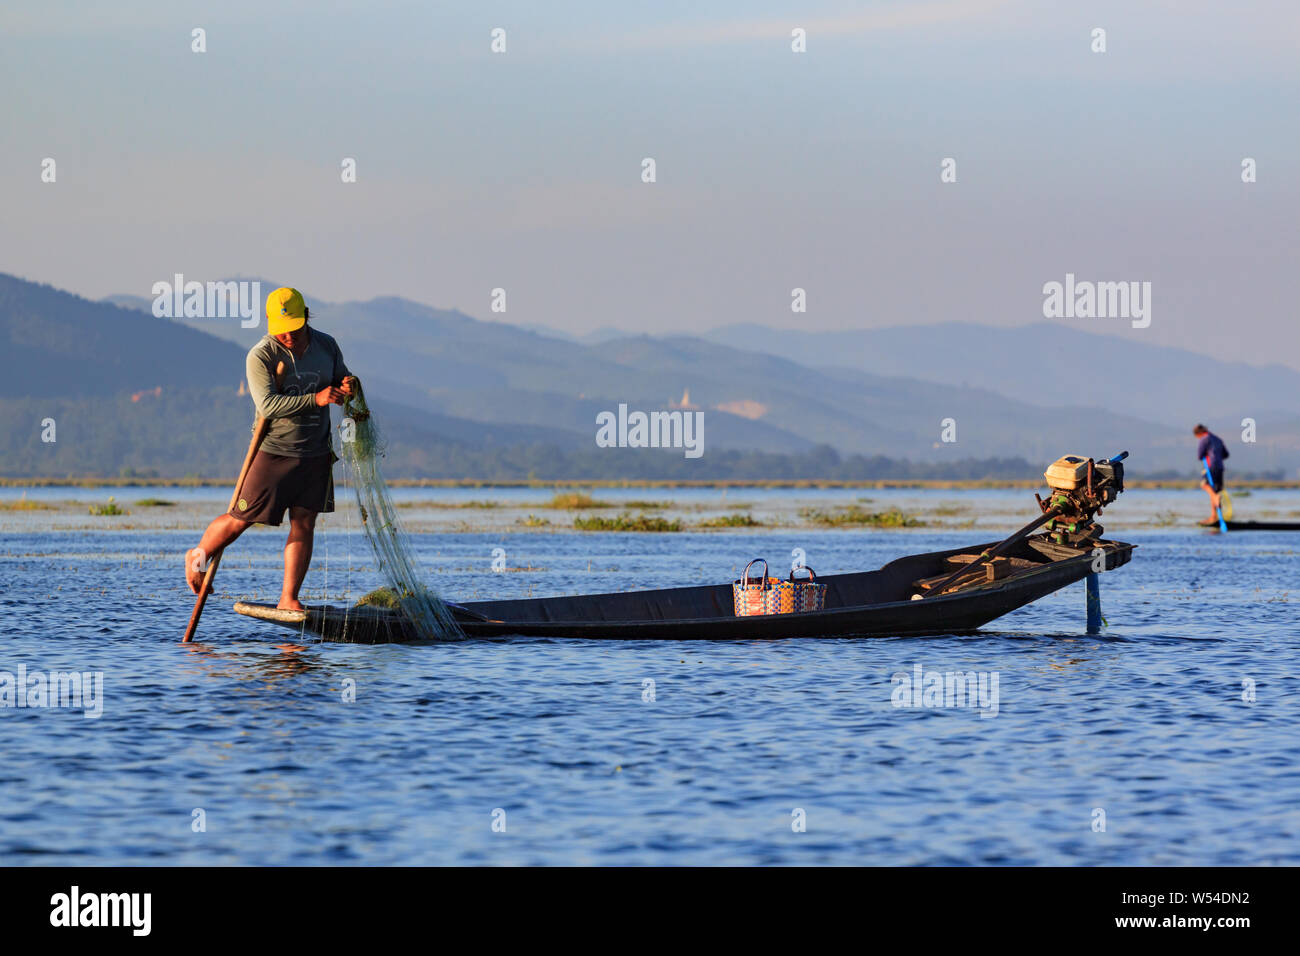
(1081, 487)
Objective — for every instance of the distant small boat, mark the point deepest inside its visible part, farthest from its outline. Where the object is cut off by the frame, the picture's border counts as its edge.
(1258, 526)
(877, 603)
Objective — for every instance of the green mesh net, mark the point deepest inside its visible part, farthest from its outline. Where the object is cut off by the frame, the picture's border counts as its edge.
(362, 448)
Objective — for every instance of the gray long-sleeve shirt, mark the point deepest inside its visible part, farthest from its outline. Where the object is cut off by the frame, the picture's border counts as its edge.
(299, 427)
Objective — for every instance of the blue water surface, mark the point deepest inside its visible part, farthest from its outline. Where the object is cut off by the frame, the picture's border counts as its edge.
(1170, 739)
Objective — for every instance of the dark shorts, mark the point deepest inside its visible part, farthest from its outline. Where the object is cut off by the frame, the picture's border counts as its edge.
(1216, 479)
(276, 483)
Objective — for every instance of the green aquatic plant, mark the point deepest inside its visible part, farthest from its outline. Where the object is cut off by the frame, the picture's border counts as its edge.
(22, 504)
(626, 522)
(575, 500)
(477, 503)
(857, 517)
(384, 597)
(732, 521)
(108, 509)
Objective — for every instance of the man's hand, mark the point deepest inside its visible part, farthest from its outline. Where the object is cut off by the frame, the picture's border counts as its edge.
(330, 396)
(349, 385)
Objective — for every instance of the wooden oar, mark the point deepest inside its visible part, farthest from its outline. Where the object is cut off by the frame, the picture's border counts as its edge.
(993, 552)
(260, 427)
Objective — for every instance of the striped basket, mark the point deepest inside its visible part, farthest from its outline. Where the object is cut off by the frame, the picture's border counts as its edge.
(808, 595)
(763, 594)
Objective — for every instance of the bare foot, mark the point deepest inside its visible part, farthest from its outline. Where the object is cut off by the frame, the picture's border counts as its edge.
(194, 571)
(290, 604)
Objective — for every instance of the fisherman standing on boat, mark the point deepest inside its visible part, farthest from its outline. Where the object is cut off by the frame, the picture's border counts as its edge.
(293, 467)
(1211, 452)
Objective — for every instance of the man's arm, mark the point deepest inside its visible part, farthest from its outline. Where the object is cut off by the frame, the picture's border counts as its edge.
(341, 372)
(268, 401)
(340, 367)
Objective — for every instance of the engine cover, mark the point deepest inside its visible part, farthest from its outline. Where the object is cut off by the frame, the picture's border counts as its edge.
(1067, 473)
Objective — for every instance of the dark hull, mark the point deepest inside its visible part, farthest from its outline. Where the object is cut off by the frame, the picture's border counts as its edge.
(862, 604)
(1261, 526)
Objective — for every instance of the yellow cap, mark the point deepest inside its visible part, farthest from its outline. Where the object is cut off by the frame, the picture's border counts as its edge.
(285, 311)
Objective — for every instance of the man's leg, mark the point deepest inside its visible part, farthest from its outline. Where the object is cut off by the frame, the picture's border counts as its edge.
(297, 556)
(219, 534)
(1214, 498)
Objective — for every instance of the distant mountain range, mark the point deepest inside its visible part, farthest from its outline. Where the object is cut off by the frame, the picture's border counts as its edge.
(1051, 365)
(458, 386)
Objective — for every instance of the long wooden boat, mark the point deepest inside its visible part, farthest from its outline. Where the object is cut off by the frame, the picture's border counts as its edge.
(881, 603)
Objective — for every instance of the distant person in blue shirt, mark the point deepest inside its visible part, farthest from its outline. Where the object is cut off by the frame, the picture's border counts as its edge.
(1211, 446)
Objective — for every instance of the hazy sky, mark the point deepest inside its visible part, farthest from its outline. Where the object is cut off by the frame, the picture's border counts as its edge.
(522, 170)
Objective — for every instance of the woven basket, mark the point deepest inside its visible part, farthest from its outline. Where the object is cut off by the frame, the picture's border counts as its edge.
(762, 595)
(808, 595)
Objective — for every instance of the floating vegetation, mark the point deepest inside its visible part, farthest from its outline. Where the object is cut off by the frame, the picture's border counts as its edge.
(533, 521)
(626, 522)
(947, 511)
(575, 500)
(855, 516)
(22, 504)
(640, 505)
(732, 521)
(478, 503)
(1165, 519)
(109, 509)
(154, 503)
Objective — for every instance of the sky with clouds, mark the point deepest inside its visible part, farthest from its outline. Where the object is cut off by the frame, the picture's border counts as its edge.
(776, 170)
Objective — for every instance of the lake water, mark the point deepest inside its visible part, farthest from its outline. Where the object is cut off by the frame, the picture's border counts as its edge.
(1169, 739)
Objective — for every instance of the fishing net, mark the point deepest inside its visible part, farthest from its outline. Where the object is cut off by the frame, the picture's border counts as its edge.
(362, 448)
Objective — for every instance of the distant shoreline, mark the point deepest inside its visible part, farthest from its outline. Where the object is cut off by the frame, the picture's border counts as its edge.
(9, 482)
